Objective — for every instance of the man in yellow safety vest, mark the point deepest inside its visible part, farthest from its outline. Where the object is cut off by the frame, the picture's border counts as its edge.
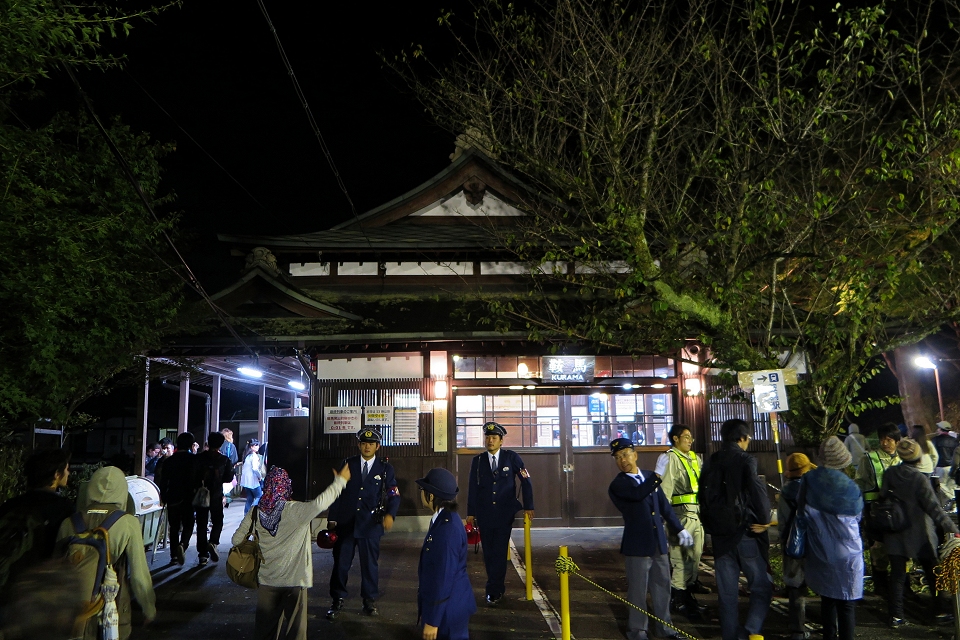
(680, 469)
(869, 478)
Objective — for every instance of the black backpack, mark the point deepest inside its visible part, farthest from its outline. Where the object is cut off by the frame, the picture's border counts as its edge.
(721, 506)
(20, 532)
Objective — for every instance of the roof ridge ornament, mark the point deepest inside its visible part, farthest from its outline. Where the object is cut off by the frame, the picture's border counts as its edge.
(263, 258)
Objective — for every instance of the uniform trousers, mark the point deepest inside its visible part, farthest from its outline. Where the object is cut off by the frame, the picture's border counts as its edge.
(181, 518)
(281, 613)
(685, 561)
(648, 573)
(215, 515)
(495, 540)
(344, 550)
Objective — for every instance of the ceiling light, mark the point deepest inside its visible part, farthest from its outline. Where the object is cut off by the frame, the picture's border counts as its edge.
(925, 363)
(299, 386)
(250, 372)
(658, 386)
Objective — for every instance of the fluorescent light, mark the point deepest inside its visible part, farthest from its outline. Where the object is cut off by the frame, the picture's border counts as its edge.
(440, 390)
(531, 386)
(299, 386)
(250, 372)
(627, 386)
(924, 362)
(515, 387)
(658, 386)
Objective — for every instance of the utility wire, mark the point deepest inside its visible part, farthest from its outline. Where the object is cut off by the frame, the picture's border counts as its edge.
(132, 179)
(311, 119)
(194, 141)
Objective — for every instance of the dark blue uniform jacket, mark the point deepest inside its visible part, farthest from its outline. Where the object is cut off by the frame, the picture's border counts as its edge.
(445, 598)
(492, 499)
(644, 508)
(353, 510)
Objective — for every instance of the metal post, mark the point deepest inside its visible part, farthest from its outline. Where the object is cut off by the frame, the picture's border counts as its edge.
(936, 376)
(528, 555)
(184, 403)
(956, 613)
(564, 600)
(775, 427)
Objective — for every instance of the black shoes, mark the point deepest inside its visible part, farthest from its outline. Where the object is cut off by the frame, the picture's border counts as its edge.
(214, 554)
(493, 601)
(699, 587)
(335, 608)
(896, 623)
(176, 554)
(370, 608)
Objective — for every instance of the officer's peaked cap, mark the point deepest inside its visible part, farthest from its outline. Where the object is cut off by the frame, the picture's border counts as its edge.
(368, 435)
(494, 429)
(619, 445)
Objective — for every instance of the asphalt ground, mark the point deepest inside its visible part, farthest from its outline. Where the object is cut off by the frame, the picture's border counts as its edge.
(196, 602)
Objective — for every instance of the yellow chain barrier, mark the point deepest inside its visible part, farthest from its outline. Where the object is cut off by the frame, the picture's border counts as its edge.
(568, 566)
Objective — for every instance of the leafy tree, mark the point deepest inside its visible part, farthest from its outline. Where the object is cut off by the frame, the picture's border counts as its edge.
(86, 284)
(768, 177)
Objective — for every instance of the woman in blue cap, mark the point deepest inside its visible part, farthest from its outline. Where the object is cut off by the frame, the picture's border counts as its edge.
(445, 598)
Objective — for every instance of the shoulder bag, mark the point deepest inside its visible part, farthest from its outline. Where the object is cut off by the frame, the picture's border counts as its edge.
(796, 543)
(888, 515)
(243, 562)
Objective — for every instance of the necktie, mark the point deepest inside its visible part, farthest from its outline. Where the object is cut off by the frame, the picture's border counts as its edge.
(493, 464)
(364, 476)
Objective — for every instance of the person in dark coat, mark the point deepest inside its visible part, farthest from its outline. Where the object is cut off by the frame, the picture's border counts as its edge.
(918, 541)
(353, 516)
(834, 558)
(645, 508)
(747, 550)
(445, 598)
(492, 503)
(213, 469)
(177, 479)
(793, 568)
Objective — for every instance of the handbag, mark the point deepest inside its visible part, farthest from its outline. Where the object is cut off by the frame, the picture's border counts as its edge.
(201, 498)
(243, 562)
(796, 544)
(888, 514)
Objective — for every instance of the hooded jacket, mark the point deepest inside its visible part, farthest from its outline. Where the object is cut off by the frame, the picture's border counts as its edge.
(105, 493)
(834, 560)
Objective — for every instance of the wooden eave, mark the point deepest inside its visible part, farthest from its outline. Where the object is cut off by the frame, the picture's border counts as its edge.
(258, 285)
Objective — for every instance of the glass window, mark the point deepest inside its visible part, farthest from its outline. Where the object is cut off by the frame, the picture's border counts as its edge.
(530, 420)
(622, 366)
(464, 367)
(602, 367)
(643, 367)
(486, 367)
(664, 367)
(507, 367)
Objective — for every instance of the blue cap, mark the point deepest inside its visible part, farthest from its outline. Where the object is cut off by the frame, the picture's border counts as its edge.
(440, 483)
(494, 429)
(620, 444)
(368, 435)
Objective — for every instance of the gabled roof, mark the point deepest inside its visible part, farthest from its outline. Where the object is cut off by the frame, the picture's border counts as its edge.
(258, 288)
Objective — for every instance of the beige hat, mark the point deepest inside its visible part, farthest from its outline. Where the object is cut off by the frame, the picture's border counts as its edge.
(834, 455)
(908, 450)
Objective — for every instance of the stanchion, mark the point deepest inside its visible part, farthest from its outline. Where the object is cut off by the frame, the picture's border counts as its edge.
(528, 556)
(564, 600)
(775, 427)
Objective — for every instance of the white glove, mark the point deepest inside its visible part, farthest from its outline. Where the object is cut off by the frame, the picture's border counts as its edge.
(686, 540)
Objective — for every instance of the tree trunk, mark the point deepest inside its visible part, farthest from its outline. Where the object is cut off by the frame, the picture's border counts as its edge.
(917, 388)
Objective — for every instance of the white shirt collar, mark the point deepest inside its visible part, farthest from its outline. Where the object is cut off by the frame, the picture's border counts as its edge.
(435, 515)
(369, 463)
(491, 456)
(638, 476)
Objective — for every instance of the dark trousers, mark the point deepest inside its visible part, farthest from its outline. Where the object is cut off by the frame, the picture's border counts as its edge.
(281, 613)
(898, 577)
(838, 615)
(181, 520)
(215, 515)
(797, 610)
(344, 549)
(495, 541)
(648, 575)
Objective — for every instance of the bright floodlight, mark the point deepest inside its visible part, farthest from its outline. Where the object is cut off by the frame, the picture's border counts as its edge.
(299, 386)
(250, 372)
(924, 362)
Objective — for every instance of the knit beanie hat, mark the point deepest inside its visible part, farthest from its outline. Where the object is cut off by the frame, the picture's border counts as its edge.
(908, 450)
(798, 464)
(834, 454)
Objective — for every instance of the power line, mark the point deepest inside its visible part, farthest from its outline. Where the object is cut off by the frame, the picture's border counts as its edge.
(194, 141)
(313, 123)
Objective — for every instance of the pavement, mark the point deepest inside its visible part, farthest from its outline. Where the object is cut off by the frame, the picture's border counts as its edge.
(201, 603)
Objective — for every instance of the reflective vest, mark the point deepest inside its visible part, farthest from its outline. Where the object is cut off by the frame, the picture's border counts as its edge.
(693, 473)
(878, 469)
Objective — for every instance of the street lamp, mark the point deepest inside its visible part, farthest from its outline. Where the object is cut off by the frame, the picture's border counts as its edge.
(926, 363)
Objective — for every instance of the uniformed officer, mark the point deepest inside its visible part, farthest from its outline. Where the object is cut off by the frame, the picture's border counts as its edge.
(492, 502)
(681, 477)
(645, 508)
(354, 516)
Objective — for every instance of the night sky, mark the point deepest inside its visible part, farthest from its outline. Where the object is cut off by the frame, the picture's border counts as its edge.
(215, 68)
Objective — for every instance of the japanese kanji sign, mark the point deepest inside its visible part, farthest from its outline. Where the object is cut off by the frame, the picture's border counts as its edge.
(567, 368)
(769, 392)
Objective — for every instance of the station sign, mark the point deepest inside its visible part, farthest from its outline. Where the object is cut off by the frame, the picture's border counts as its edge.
(568, 369)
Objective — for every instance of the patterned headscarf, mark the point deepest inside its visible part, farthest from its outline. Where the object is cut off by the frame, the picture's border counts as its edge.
(277, 489)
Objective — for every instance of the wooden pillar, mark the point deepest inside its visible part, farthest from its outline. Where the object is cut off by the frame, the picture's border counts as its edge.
(184, 403)
(214, 405)
(142, 412)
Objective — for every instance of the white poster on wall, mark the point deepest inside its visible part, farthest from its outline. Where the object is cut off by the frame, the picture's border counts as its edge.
(406, 426)
(378, 416)
(341, 419)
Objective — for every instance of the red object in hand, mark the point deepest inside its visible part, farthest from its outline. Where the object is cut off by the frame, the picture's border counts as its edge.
(473, 534)
(326, 539)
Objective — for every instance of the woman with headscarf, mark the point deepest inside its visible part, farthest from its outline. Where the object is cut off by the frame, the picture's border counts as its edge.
(793, 575)
(907, 483)
(251, 476)
(445, 598)
(283, 528)
(834, 559)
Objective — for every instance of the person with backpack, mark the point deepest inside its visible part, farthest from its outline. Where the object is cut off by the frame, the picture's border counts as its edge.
(911, 487)
(793, 568)
(178, 482)
(637, 495)
(32, 519)
(856, 444)
(735, 511)
(869, 478)
(213, 470)
(832, 507)
(101, 504)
